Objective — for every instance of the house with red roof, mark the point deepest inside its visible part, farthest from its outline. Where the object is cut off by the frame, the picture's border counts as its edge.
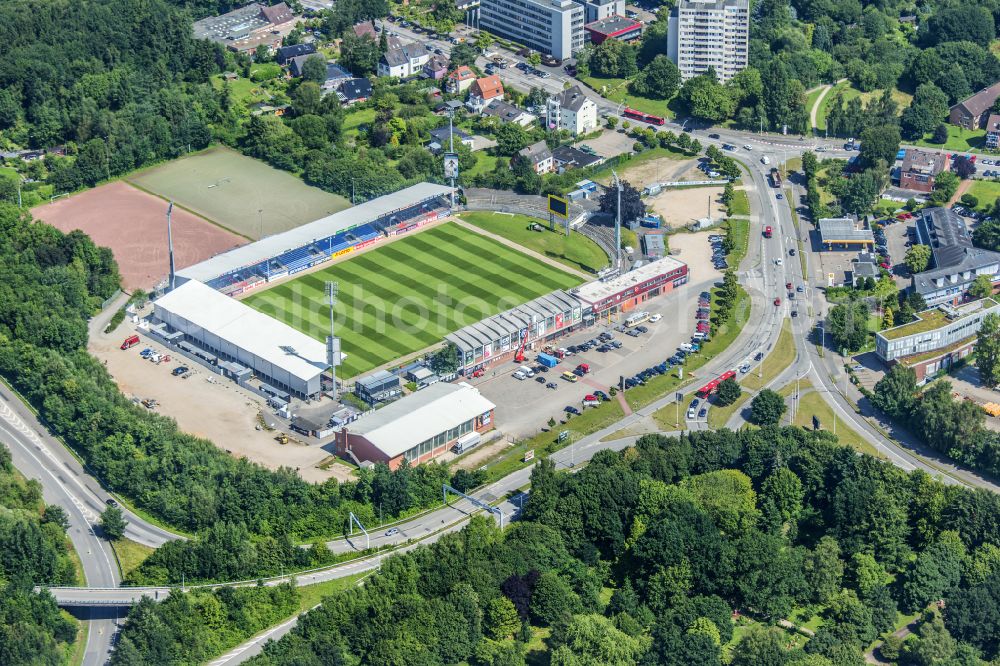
(484, 91)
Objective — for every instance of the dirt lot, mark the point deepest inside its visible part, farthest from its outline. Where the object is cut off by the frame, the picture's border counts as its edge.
(644, 172)
(681, 207)
(207, 405)
(133, 224)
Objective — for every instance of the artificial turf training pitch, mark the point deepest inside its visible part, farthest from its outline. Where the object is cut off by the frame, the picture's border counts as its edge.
(405, 296)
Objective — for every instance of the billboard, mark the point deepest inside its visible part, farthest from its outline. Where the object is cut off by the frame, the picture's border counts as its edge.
(558, 206)
(451, 165)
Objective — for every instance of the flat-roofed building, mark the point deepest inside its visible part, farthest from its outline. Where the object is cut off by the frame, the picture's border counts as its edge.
(936, 338)
(497, 338)
(277, 353)
(705, 34)
(630, 290)
(378, 387)
(554, 27)
(246, 28)
(846, 232)
(417, 428)
(621, 28)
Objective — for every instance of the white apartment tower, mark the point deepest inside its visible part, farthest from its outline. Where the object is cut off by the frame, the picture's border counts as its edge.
(709, 33)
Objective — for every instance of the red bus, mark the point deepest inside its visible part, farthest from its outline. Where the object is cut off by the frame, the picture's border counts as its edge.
(643, 117)
(710, 388)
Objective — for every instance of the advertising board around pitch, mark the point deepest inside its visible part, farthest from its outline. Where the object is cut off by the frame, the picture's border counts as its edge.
(558, 206)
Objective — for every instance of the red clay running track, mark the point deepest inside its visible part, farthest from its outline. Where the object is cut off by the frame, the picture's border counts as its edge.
(133, 224)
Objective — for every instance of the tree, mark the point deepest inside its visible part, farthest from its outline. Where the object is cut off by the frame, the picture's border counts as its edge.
(589, 640)
(945, 184)
(632, 206)
(964, 167)
(847, 324)
(729, 392)
(917, 258)
(501, 620)
(660, 79)
(824, 570)
(767, 408)
(535, 59)
(936, 571)
(969, 200)
(707, 99)
(360, 55)
(879, 145)
(511, 138)
(940, 134)
(862, 192)
(613, 58)
(484, 40)
(57, 515)
(463, 54)
(783, 489)
(553, 600)
(445, 360)
(314, 69)
(895, 393)
(981, 287)
(113, 523)
(988, 350)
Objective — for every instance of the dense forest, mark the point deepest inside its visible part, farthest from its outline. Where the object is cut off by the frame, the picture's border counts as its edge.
(665, 552)
(34, 550)
(50, 283)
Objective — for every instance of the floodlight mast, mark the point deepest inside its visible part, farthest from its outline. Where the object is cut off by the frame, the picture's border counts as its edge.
(618, 222)
(332, 342)
(170, 247)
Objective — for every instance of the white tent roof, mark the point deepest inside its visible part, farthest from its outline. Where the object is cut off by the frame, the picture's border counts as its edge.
(399, 426)
(247, 329)
(272, 246)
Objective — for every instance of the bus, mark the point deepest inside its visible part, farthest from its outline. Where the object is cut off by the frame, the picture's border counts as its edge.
(643, 117)
(710, 388)
(637, 319)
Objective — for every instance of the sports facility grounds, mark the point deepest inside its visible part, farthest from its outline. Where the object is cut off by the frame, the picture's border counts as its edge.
(405, 296)
(238, 192)
(134, 225)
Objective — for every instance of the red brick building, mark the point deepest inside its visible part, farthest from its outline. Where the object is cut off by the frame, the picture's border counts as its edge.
(919, 169)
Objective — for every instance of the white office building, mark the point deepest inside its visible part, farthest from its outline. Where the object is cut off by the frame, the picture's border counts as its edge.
(554, 27)
(709, 33)
(598, 10)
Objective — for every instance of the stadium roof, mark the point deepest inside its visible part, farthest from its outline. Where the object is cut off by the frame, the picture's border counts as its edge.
(511, 322)
(401, 425)
(246, 328)
(272, 246)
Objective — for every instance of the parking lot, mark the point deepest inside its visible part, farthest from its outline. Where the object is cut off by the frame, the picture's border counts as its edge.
(525, 406)
(897, 237)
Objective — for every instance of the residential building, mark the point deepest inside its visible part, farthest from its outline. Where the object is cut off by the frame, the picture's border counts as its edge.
(436, 68)
(993, 132)
(248, 27)
(539, 155)
(709, 33)
(865, 266)
(846, 232)
(936, 338)
(417, 428)
(378, 387)
(568, 157)
(973, 112)
(508, 113)
(403, 61)
(919, 169)
(460, 80)
(286, 53)
(366, 29)
(597, 10)
(354, 91)
(572, 110)
(335, 77)
(956, 263)
(296, 64)
(621, 28)
(483, 92)
(554, 27)
(441, 138)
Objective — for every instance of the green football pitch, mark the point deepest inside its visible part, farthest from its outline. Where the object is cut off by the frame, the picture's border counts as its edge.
(405, 296)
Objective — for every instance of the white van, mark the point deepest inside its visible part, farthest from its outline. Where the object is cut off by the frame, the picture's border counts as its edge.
(518, 374)
(526, 371)
(765, 160)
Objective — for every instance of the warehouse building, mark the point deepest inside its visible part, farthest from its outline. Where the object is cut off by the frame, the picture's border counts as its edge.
(277, 354)
(629, 291)
(417, 428)
(497, 338)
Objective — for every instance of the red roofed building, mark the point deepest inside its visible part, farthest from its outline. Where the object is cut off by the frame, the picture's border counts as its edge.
(460, 80)
(484, 91)
(277, 14)
(619, 27)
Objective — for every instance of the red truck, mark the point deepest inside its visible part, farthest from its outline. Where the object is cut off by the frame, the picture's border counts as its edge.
(130, 341)
(767, 232)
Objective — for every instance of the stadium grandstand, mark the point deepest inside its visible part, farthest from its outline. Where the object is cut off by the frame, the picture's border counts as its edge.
(244, 268)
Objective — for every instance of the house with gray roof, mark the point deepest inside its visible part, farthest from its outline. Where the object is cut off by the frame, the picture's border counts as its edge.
(972, 113)
(956, 262)
(572, 110)
(539, 155)
(506, 112)
(403, 61)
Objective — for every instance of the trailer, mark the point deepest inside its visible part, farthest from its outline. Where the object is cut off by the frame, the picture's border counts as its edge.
(775, 176)
(466, 442)
(548, 360)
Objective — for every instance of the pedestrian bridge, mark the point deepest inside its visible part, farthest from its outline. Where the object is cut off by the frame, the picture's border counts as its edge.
(74, 597)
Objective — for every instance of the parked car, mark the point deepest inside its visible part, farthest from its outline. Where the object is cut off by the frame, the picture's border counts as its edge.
(176, 372)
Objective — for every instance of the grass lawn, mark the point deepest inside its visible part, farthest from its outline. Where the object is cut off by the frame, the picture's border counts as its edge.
(355, 119)
(740, 205)
(661, 385)
(130, 554)
(781, 356)
(886, 207)
(987, 191)
(812, 97)
(718, 417)
(405, 296)
(813, 403)
(243, 90)
(959, 139)
(849, 92)
(740, 230)
(310, 595)
(485, 163)
(575, 250)
(617, 91)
